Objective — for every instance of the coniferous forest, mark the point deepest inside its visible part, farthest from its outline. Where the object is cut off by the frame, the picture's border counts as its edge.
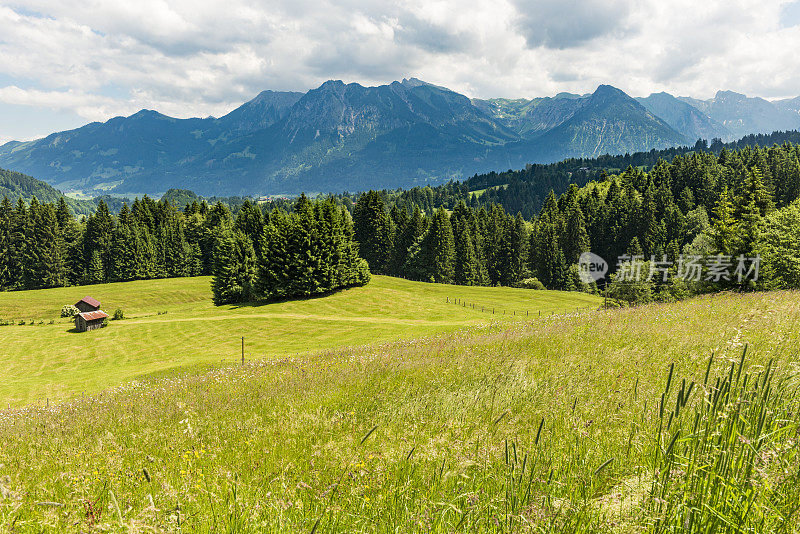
(734, 203)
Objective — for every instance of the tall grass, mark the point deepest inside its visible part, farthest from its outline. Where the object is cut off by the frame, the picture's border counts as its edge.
(729, 463)
(612, 422)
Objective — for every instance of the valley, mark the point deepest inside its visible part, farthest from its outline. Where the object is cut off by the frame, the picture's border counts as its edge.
(551, 422)
(172, 326)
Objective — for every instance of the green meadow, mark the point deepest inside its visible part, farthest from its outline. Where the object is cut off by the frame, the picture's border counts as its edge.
(172, 324)
(677, 417)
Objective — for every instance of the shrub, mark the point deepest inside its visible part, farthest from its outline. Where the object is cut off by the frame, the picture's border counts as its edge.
(118, 314)
(530, 283)
(69, 311)
(637, 291)
(779, 248)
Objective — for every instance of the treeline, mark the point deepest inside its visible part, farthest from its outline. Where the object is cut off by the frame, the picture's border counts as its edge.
(733, 203)
(251, 255)
(43, 245)
(526, 190)
(700, 203)
(468, 247)
(307, 252)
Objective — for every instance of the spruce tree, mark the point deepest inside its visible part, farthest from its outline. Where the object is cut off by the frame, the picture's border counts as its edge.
(439, 249)
(250, 221)
(466, 262)
(234, 267)
(302, 250)
(724, 226)
(95, 271)
(273, 262)
(408, 234)
(373, 230)
(5, 244)
(44, 261)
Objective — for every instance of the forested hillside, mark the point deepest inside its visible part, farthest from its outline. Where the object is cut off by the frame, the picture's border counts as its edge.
(525, 190)
(16, 186)
(738, 204)
(307, 252)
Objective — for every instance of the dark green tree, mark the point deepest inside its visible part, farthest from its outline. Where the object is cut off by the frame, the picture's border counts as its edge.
(234, 267)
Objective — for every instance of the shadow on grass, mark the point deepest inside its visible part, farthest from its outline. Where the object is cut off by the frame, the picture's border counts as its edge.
(259, 303)
(74, 330)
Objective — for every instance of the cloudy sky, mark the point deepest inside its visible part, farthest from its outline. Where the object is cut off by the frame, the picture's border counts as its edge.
(67, 62)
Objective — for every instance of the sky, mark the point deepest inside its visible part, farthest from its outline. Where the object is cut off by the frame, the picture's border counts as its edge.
(64, 63)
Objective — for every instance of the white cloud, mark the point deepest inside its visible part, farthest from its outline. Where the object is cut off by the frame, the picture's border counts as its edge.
(86, 105)
(100, 58)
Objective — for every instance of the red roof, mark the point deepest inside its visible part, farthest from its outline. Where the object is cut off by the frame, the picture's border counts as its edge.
(90, 301)
(93, 315)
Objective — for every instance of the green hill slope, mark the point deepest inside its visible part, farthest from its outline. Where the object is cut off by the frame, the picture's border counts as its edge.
(42, 361)
(15, 186)
(553, 426)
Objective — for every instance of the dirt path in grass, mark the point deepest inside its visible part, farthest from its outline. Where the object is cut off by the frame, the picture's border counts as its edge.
(303, 317)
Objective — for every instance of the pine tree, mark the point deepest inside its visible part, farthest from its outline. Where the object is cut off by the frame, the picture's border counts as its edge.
(273, 269)
(251, 222)
(373, 230)
(439, 247)
(95, 271)
(5, 244)
(724, 225)
(234, 267)
(466, 262)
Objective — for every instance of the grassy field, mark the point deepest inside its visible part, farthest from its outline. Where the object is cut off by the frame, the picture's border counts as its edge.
(610, 421)
(42, 361)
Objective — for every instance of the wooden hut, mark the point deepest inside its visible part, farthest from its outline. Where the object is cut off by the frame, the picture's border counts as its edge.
(88, 304)
(91, 320)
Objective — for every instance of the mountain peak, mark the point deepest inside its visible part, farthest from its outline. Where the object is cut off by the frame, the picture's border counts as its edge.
(564, 94)
(413, 82)
(729, 95)
(609, 90)
(333, 85)
(146, 113)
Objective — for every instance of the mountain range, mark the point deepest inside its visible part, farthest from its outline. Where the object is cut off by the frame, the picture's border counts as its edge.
(350, 137)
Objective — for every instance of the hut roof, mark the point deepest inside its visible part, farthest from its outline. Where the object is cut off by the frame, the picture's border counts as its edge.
(93, 315)
(90, 301)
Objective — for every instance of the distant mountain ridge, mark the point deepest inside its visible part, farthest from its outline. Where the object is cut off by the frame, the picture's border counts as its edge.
(342, 136)
(742, 115)
(684, 117)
